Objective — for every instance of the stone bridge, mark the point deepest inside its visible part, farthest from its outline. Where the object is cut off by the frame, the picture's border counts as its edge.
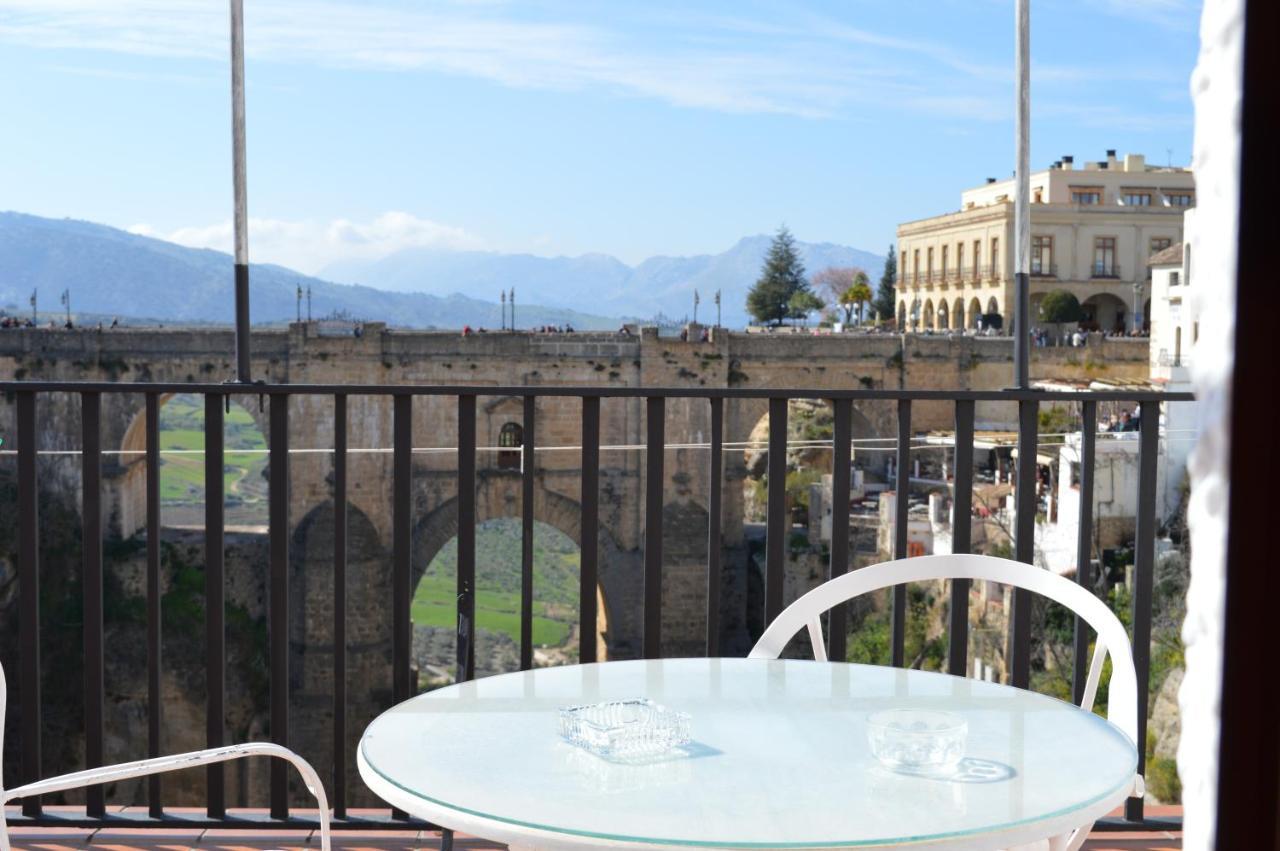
(309, 353)
(303, 355)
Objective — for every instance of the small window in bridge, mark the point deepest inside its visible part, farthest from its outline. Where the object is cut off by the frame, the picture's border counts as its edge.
(510, 439)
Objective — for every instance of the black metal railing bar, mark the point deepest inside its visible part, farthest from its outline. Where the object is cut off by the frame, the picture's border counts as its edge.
(778, 529)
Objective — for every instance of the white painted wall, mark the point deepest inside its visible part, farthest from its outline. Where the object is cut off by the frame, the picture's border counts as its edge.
(1216, 89)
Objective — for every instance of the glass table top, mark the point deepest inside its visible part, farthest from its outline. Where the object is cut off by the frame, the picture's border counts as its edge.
(779, 756)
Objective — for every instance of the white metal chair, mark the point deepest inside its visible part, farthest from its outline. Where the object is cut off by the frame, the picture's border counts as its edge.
(159, 765)
(1122, 703)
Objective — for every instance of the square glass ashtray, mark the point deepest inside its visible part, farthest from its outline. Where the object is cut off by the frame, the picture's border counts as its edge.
(633, 729)
(918, 741)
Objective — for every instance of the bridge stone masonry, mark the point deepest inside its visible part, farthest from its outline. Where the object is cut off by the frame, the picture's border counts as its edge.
(300, 355)
(312, 353)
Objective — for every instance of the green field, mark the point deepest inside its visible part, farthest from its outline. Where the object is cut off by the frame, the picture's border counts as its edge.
(555, 583)
(182, 475)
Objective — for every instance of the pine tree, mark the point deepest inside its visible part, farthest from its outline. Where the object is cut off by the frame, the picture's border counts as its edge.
(885, 294)
(782, 277)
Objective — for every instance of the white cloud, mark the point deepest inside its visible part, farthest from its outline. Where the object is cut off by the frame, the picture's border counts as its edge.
(787, 61)
(309, 246)
(807, 70)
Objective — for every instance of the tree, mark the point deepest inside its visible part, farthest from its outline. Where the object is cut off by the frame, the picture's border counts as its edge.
(855, 296)
(833, 281)
(802, 303)
(1060, 306)
(782, 277)
(885, 295)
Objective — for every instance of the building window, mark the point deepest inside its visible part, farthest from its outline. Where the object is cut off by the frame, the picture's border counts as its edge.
(959, 259)
(510, 439)
(1086, 196)
(1042, 255)
(1173, 279)
(1180, 199)
(902, 266)
(1137, 199)
(915, 264)
(1177, 346)
(1158, 244)
(1104, 257)
(1038, 196)
(944, 261)
(995, 258)
(928, 268)
(977, 258)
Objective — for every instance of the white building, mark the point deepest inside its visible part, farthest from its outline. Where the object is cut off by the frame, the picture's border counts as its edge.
(1175, 327)
(1092, 230)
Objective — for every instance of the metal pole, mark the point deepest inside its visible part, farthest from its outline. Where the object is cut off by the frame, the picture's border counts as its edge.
(238, 180)
(513, 308)
(34, 294)
(1021, 214)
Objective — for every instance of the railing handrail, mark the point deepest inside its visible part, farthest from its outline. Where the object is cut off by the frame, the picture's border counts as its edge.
(588, 390)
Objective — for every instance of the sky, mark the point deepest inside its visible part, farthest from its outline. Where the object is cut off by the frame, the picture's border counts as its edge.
(555, 127)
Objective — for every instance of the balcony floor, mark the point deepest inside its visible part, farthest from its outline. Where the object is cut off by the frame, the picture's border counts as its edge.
(60, 839)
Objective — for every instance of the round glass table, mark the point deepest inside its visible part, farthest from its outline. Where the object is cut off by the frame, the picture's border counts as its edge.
(779, 759)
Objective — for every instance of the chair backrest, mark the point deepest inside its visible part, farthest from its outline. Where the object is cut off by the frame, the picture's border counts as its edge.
(806, 612)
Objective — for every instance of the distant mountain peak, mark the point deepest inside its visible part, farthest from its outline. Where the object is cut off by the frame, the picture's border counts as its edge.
(112, 271)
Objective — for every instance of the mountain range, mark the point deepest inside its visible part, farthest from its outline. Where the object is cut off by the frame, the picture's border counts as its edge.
(111, 272)
(658, 285)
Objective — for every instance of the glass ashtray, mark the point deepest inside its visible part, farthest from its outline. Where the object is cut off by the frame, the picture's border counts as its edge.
(634, 729)
(917, 741)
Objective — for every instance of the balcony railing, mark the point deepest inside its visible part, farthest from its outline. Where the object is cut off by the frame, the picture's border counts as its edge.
(30, 396)
(1105, 270)
(1044, 270)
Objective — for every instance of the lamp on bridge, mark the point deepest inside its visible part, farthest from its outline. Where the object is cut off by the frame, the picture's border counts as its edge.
(1139, 287)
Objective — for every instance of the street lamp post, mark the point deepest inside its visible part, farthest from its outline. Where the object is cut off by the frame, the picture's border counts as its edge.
(297, 303)
(696, 301)
(33, 305)
(308, 302)
(717, 308)
(66, 300)
(1021, 199)
(512, 298)
(1139, 287)
(503, 296)
(240, 202)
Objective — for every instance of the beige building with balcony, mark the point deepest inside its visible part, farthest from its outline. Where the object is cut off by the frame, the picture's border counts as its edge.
(1092, 230)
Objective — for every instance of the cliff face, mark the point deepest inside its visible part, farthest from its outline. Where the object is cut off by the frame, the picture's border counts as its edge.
(183, 688)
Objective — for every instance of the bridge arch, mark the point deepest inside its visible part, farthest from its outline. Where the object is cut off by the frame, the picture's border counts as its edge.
(440, 526)
(124, 424)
